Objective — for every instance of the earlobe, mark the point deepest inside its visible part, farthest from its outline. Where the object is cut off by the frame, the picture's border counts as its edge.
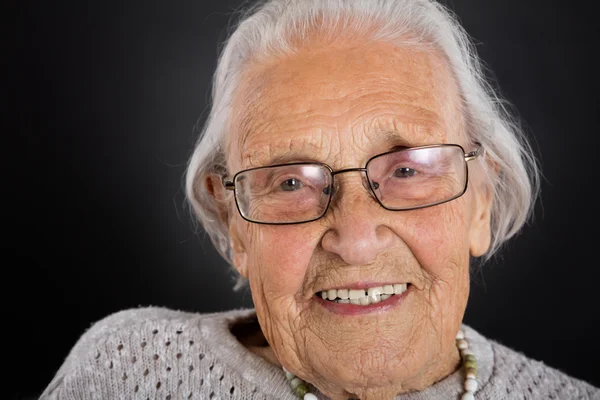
(480, 234)
(238, 252)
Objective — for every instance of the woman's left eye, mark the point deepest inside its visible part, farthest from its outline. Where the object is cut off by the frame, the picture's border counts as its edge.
(290, 185)
(404, 172)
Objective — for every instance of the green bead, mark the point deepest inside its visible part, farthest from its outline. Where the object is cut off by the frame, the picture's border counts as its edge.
(471, 369)
(470, 364)
(470, 357)
(301, 390)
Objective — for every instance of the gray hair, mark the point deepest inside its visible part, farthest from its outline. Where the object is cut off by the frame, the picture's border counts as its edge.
(275, 27)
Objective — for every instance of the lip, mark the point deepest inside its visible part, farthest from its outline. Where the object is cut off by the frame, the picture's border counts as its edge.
(353, 309)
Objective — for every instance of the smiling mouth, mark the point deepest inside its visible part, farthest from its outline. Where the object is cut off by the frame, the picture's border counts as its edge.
(363, 297)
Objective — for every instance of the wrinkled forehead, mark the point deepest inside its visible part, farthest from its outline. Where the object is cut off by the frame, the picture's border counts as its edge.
(326, 104)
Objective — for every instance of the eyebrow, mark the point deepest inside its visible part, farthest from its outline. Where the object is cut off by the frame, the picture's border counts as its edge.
(385, 139)
(393, 137)
(260, 158)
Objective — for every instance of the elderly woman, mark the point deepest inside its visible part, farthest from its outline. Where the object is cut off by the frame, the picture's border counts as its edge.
(353, 165)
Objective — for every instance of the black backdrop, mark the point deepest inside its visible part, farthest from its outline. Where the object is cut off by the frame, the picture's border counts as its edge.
(102, 103)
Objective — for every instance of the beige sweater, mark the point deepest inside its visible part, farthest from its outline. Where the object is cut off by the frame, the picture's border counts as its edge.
(156, 353)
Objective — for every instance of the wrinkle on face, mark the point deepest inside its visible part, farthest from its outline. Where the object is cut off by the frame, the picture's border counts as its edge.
(340, 107)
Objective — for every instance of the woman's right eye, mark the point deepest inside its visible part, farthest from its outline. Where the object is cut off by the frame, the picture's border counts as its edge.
(290, 185)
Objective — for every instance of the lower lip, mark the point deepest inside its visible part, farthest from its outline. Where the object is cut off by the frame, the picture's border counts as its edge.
(353, 309)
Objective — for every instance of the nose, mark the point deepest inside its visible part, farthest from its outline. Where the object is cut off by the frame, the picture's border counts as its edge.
(357, 229)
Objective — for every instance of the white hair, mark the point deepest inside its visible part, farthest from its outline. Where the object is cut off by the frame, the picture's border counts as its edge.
(276, 27)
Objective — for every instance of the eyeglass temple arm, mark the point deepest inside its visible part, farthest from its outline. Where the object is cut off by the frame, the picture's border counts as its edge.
(229, 185)
(474, 154)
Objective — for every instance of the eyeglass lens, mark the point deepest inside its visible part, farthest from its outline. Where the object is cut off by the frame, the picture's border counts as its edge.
(400, 180)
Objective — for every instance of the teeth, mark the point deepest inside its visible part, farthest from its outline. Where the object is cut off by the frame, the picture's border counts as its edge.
(374, 294)
(364, 297)
(400, 288)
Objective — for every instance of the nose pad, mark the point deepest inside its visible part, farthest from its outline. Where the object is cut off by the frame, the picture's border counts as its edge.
(371, 186)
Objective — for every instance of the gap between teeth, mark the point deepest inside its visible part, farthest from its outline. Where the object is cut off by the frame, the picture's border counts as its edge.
(363, 297)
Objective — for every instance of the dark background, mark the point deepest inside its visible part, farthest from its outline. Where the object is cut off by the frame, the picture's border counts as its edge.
(103, 97)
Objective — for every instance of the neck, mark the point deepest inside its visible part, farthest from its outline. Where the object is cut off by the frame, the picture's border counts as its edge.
(249, 334)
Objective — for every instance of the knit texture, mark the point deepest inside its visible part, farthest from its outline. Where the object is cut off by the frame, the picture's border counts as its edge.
(156, 353)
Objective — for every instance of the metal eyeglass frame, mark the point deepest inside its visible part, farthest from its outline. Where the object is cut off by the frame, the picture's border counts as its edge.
(472, 155)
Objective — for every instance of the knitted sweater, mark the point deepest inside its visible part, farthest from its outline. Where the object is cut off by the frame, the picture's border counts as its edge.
(156, 353)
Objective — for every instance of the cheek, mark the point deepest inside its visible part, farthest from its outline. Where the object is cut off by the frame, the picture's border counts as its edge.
(280, 257)
(438, 237)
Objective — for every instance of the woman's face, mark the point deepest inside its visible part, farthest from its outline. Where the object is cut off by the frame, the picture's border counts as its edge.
(340, 106)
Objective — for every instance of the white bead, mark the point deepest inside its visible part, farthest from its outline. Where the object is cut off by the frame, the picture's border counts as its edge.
(460, 335)
(470, 385)
(310, 396)
(468, 396)
(462, 344)
(471, 375)
(289, 376)
(294, 383)
(464, 352)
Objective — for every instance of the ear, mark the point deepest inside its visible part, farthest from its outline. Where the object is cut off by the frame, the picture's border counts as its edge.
(214, 186)
(228, 217)
(480, 234)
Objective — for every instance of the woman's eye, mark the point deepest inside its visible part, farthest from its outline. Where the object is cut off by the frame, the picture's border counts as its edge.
(404, 172)
(291, 184)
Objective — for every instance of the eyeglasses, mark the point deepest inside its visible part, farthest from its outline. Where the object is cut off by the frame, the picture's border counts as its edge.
(405, 179)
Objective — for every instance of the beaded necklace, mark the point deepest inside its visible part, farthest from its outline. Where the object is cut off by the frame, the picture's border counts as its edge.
(469, 363)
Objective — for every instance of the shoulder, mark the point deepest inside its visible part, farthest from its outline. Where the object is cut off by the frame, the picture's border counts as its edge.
(144, 351)
(515, 375)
